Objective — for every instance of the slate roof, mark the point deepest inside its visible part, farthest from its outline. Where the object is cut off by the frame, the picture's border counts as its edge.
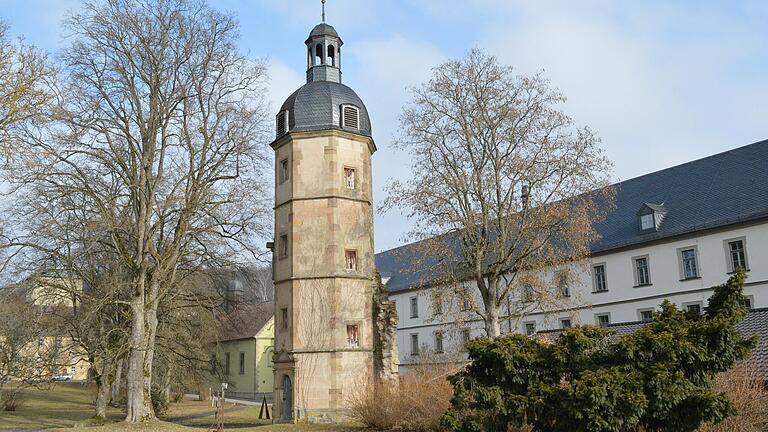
(323, 29)
(247, 321)
(719, 190)
(754, 324)
(316, 105)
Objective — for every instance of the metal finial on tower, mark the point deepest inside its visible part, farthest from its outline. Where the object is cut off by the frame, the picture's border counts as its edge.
(323, 16)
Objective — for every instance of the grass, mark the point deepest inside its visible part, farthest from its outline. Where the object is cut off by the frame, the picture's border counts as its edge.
(68, 407)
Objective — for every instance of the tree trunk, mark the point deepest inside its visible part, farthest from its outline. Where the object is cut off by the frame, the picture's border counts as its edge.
(150, 319)
(492, 325)
(117, 382)
(489, 294)
(102, 394)
(136, 403)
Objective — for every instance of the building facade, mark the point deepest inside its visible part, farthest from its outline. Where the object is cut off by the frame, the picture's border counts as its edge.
(672, 235)
(323, 251)
(244, 352)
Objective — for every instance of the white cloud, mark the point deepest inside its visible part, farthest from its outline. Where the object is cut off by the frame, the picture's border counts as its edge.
(386, 68)
(283, 80)
(657, 94)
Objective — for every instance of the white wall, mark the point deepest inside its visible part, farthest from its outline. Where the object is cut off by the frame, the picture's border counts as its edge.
(622, 300)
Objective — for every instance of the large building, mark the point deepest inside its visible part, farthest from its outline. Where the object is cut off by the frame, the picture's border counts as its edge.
(673, 234)
(323, 251)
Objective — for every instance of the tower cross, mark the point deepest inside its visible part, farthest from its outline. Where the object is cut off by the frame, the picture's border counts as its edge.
(323, 6)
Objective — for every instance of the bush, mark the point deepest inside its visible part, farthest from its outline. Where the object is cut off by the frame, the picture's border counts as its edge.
(414, 402)
(746, 389)
(11, 399)
(656, 379)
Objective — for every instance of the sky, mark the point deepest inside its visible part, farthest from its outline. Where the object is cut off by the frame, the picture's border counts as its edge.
(661, 82)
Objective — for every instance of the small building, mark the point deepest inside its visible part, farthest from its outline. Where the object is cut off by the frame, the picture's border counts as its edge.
(244, 353)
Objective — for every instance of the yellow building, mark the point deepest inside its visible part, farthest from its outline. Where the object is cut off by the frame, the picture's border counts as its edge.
(245, 352)
(63, 359)
(55, 291)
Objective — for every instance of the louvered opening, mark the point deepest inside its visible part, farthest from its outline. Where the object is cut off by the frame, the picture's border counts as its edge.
(350, 117)
(282, 123)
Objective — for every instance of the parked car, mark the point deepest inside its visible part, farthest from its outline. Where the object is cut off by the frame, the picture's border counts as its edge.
(62, 377)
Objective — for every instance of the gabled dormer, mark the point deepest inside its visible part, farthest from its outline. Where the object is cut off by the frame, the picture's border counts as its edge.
(651, 216)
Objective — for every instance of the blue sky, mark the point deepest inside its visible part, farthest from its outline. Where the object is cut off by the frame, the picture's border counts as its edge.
(661, 82)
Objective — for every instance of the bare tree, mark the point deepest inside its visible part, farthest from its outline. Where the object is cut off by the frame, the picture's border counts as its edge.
(501, 187)
(24, 354)
(26, 87)
(159, 140)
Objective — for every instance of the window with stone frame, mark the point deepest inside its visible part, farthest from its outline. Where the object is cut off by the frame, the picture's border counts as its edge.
(241, 369)
(283, 246)
(748, 302)
(414, 302)
(737, 255)
(439, 342)
(646, 315)
(565, 323)
(599, 278)
(694, 308)
(603, 319)
(284, 318)
(353, 335)
(437, 306)
(688, 263)
(414, 344)
(466, 301)
(642, 271)
(350, 259)
(465, 336)
(530, 328)
(350, 178)
(562, 284)
(285, 171)
(226, 363)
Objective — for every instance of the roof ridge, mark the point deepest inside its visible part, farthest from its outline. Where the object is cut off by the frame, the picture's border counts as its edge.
(720, 154)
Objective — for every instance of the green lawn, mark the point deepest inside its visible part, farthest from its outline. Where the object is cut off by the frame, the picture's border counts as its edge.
(69, 406)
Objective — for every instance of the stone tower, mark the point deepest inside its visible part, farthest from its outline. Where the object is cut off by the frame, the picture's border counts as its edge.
(323, 251)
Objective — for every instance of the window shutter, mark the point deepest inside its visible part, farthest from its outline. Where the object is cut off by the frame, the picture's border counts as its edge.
(282, 123)
(350, 117)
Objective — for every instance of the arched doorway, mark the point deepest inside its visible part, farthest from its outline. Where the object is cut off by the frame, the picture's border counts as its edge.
(287, 398)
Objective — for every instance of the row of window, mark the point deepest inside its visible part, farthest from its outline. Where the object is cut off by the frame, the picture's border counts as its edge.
(350, 119)
(736, 258)
(353, 330)
(647, 314)
(439, 336)
(349, 174)
(601, 319)
(350, 255)
(736, 254)
(227, 364)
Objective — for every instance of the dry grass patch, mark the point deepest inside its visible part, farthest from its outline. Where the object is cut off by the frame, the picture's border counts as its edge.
(414, 402)
(746, 389)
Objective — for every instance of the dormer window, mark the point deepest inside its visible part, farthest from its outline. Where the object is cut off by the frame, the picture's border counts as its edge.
(647, 222)
(651, 216)
(350, 116)
(281, 123)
